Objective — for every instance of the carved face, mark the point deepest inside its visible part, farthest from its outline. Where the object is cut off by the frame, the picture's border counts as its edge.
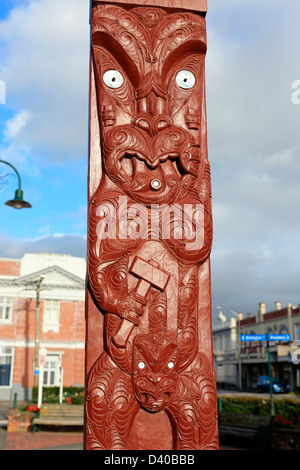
(149, 80)
(154, 371)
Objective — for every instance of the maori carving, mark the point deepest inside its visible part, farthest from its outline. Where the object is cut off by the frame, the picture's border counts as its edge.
(150, 228)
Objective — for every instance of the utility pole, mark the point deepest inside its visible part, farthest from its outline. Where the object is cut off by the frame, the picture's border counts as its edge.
(238, 347)
(270, 377)
(37, 331)
(239, 352)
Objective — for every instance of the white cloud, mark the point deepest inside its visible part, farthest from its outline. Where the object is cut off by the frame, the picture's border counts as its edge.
(70, 244)
(15, 125)
(45, 65)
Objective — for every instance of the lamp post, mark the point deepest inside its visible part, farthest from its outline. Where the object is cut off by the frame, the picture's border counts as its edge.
(270, 376)
(18, 201)
(37, 330)
(238, 350)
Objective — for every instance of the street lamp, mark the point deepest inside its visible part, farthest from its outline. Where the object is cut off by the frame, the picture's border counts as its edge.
(18, 201)
(238, 347)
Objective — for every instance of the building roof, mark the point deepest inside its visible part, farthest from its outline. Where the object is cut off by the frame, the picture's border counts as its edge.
(53, 276)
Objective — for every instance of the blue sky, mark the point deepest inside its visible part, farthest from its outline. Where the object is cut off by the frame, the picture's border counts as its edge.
(253, 138)
(43, 126)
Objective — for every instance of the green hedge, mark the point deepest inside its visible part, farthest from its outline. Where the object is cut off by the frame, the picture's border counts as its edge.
(286, 408)
(51, 395)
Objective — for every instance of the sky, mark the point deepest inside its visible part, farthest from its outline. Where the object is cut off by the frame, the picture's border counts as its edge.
(252, 74)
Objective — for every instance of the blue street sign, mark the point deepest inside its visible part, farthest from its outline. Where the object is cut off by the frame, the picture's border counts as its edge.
(264, 337)
(253, 337)
(280, 337)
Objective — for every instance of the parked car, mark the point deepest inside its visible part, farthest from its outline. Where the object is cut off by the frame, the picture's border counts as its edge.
(263, 385)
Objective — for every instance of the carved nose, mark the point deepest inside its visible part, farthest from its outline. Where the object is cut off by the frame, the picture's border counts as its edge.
(155, 104)
(152, 125)
(155, 378)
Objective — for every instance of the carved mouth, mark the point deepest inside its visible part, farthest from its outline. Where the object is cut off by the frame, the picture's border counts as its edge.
(129, 162)
(150, 161)
(152, 170)
(139, 169)
(174, 143)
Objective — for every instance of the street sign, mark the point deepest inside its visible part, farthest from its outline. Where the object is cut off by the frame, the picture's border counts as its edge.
(264, 337)
(280, 337)
(253, 337)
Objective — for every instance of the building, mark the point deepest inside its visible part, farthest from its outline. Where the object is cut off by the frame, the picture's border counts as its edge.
(42, 308)
(226, 351)
(240, 363)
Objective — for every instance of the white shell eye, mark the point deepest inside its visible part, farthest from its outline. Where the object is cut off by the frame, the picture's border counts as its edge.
(185, 79)
(171, 365)
(155, 184)
(113, 79)
(141, 365)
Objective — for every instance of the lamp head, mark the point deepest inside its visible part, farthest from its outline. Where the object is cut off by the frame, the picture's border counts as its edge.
(18, 202)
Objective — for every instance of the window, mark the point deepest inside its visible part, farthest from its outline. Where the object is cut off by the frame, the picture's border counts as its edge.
(51, 315)
(297, 331)
(6, 360)
(283, 330)
(227, 343)
(51, 370)
(6, 304)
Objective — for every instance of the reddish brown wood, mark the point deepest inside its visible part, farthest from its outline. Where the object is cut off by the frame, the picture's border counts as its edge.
(191, 5)
(149, 348)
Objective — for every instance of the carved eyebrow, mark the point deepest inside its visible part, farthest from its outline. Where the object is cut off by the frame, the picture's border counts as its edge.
(141, 355)
(181, 53)
(115, 49)
(181, 30)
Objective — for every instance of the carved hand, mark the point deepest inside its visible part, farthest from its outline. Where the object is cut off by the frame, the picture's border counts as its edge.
(130, 309)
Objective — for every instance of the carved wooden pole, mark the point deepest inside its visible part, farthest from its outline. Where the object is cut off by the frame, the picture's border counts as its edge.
(150, 379)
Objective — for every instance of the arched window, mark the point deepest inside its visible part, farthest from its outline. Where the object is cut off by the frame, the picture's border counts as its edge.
(283, 330)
